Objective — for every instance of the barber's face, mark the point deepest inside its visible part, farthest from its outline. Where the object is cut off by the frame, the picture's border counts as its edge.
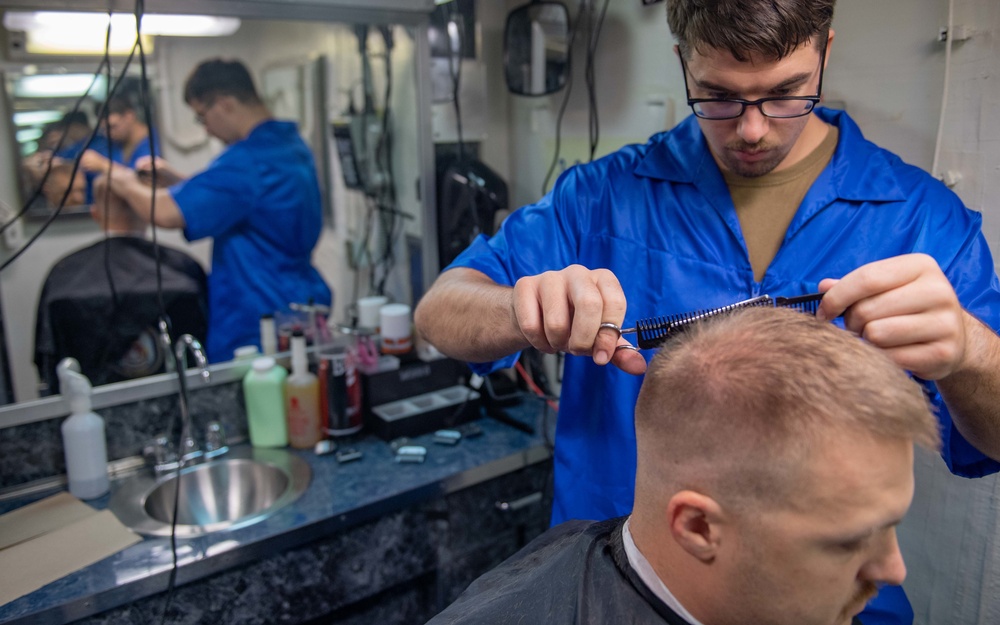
(120, 125)
(206, 113)
(753, 145)
(820, 558)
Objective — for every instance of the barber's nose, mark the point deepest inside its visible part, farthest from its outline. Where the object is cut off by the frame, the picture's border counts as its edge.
(888, 566)
(753, 125)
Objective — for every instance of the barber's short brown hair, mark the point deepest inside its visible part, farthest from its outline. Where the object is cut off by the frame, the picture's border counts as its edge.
(736, 406)
(771, 29)
(217, 77)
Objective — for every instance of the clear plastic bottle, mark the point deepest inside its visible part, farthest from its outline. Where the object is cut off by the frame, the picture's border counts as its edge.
(83, 435)
(264, 394)
(302, 398)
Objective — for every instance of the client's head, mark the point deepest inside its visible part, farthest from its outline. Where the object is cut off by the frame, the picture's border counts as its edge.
(775, 459)
(113, 214)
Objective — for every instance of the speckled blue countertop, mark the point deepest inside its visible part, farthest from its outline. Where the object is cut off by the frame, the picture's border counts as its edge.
(339, 496)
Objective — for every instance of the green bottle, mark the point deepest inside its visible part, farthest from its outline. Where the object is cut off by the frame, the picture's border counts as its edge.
(264, 394)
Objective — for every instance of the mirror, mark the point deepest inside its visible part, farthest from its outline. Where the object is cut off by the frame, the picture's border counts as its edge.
(536, 48)
(310, 71)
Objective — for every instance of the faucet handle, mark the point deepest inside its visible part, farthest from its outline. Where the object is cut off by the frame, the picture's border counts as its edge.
(159, 451)
(215, 439)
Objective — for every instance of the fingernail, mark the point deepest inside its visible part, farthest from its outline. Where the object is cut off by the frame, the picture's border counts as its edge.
(601, 357)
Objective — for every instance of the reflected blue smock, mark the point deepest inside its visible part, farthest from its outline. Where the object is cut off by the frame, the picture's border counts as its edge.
(661, 218)
(102, 146)
(260, 202)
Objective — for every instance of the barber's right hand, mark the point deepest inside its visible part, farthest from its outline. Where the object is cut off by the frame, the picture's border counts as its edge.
(562, 311)
(165, 174)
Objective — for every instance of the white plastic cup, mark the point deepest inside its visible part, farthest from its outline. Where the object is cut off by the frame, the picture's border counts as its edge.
(394, 321)
(368, 311)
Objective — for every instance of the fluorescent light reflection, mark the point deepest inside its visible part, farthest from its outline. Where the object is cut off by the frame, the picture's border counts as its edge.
(28, 134)
(34, 118)
(64, 32)
(57, 85)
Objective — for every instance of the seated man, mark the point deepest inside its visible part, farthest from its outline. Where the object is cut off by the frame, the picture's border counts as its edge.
(775, 459)
(51, 165)
(100, 304)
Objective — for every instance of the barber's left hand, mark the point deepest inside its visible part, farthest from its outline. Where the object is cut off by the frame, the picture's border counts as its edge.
(94, 162)
(906, 306)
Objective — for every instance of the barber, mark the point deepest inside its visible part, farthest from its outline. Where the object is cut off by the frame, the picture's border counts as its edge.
(757, 192)
(259, 200)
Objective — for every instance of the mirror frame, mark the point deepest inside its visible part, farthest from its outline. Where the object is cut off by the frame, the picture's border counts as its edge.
(507, 66)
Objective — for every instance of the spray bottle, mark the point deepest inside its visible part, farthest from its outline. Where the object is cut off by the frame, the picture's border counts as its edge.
(83, 435)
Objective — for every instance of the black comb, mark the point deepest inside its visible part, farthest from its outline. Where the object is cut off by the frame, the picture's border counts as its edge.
(654, 331)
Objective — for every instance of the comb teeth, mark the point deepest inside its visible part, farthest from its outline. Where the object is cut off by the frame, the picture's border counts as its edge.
(654, 331)
(802, 303)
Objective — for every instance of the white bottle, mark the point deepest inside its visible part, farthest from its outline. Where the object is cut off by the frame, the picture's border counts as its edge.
(83, 435)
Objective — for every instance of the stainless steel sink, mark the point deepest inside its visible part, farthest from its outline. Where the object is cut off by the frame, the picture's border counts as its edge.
(241, 488)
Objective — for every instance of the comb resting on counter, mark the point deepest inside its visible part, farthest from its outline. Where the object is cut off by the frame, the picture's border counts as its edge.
(654, 331)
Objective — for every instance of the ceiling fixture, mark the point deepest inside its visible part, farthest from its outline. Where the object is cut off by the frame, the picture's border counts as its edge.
(65, 32)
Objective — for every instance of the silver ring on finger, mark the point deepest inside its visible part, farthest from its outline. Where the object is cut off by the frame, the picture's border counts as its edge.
(607, 325)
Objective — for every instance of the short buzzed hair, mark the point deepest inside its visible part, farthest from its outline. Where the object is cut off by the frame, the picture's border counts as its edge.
(735, 406)
(771, 29)
(217, 77)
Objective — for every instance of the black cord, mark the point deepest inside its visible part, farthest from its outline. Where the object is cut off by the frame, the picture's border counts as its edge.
(115, 303)
(388, 211)
(455, 68)
(75, 169)
(562, 109)
(594, 36)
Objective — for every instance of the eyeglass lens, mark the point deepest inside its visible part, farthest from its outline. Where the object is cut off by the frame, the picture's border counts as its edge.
(723, 109)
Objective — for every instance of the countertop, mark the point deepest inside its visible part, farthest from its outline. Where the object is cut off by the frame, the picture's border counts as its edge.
(339, 496)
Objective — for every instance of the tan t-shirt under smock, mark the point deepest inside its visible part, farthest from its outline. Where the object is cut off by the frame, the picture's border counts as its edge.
(766, 205)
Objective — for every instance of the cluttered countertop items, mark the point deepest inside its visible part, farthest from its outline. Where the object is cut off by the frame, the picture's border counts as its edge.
(369, 481)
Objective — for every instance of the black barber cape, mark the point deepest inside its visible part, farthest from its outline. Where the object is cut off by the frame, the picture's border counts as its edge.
(78, 317)
(575, 573)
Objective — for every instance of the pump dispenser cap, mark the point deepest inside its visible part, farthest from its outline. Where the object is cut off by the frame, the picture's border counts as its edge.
(263, 364)
(75, 386)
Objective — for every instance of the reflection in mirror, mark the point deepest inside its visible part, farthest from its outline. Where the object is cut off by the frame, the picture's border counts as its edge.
(313, 73)
(536, 48)
(53, 118)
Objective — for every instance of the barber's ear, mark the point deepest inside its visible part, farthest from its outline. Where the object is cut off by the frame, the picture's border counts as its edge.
(696, 524)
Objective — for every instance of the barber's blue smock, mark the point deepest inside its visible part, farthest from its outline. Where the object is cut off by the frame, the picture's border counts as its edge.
(260, 202)
(107, 149)
(661, 218)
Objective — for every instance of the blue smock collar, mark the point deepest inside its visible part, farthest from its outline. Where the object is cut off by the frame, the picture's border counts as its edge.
(859, 171)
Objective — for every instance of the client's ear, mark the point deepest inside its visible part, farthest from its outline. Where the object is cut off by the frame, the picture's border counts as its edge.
(696, 524)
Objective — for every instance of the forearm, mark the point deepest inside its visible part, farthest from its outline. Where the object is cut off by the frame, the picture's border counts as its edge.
(126, 184)
(972, 393)
(469, 317)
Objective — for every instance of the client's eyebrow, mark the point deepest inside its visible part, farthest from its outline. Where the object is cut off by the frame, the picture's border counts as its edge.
(789, 83)
(867, 533)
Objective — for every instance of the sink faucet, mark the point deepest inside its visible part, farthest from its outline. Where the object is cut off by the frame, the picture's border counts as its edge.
(186, 343)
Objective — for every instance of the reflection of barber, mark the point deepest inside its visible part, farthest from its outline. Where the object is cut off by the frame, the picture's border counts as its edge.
(259, 200)
(127, 131)
(100, 304)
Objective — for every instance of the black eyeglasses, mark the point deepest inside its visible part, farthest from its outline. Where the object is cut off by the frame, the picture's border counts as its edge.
(779, 107)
